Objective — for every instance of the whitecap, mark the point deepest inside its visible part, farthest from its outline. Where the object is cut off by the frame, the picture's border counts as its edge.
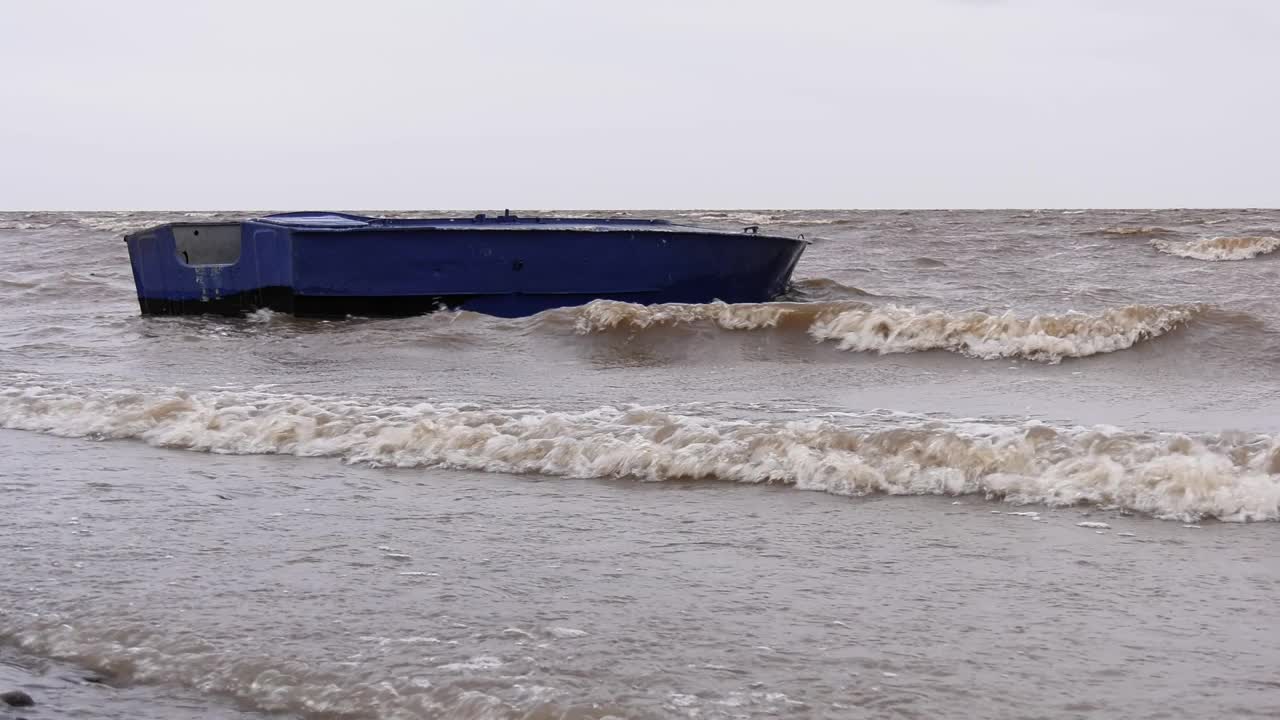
(1232, 477)
(1220, 248)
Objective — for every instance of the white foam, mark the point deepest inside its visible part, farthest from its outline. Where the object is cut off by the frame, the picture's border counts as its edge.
(1046, 338)
(1231, 477)
(683, 701)
(265, 316)
(1220, 248)
(601, 315)
(861, 327)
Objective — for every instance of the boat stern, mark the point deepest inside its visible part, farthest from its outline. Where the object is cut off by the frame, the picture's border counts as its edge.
(225, 268)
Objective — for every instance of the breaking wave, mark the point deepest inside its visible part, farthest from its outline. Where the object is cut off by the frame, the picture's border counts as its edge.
(1044, 338)
(1229, 477)
(1220, 248)
(605, 315)
(861, 327)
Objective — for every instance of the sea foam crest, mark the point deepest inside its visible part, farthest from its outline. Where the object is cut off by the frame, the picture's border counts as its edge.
(1045, 338)
(1233, 478)
(602, 315)
(862, 327)
(1220, 248)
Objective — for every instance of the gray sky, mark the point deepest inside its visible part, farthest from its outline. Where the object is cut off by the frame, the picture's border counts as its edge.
(639, 103)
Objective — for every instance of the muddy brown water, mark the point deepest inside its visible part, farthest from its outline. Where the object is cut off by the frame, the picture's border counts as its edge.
(864, 500)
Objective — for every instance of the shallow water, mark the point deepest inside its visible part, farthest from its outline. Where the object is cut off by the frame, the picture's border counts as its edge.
(597, 511)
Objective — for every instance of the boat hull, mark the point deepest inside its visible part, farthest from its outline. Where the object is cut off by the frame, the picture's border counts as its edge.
(402, 270)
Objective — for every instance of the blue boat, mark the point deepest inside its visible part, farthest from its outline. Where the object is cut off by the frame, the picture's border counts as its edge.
(324, 264)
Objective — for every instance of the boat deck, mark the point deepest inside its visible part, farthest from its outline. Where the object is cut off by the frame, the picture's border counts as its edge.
(331, 221)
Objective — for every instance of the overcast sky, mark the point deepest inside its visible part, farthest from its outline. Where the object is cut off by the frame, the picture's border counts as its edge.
(579, 104)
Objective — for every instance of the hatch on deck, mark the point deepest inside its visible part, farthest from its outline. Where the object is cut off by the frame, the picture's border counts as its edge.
(317, 219)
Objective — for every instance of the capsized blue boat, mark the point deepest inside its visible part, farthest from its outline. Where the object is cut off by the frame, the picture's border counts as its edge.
(324, 264)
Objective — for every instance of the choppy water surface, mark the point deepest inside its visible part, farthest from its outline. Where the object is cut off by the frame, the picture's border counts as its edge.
(600, 511)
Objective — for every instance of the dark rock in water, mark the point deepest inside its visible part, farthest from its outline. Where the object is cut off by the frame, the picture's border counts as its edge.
(16, 698)
(95, 679)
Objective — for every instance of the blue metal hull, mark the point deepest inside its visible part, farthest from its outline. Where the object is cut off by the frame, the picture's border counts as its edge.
(507, 268)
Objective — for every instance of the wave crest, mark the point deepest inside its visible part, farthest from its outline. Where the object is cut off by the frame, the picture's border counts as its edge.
(1045, 338)
(861, 327)
(1227, 477)
(605, 315)
(1220, 248)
